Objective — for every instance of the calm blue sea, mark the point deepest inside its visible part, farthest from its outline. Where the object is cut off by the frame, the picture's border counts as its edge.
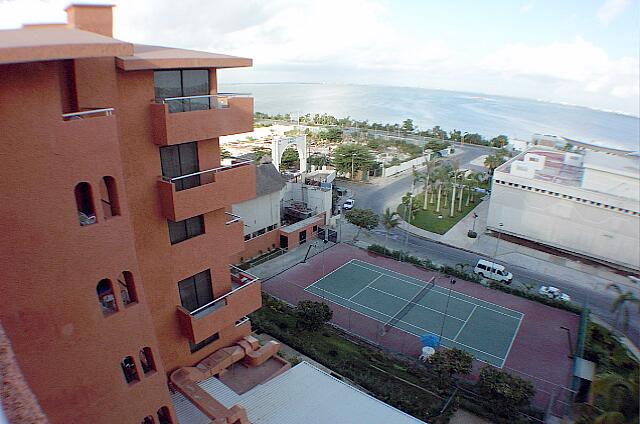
(485, 114)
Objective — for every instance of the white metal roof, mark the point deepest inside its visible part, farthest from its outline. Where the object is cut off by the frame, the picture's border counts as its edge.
(303, 394)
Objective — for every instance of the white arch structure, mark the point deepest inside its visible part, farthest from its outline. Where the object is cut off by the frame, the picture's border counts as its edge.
(279, 146)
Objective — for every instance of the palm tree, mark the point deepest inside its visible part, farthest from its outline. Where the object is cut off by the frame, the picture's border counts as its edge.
(617, 398)
(492, 162)
(621, 304)
(390, 221)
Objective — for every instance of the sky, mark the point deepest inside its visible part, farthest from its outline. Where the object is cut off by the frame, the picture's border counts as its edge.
(583, 52)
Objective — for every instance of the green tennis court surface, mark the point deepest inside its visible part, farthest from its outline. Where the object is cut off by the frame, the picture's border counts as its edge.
(483, 329)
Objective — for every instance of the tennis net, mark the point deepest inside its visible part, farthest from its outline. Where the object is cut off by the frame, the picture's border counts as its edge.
(409, 305)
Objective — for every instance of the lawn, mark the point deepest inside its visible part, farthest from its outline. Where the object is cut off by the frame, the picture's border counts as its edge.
(441, 222)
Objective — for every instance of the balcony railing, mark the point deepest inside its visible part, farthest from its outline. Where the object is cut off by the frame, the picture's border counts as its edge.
(201, 102)
(173, 180)
(234, 218)
(87, 114)
(240, 280)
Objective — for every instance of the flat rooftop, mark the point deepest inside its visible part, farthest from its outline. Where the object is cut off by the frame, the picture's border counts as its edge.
(303, 394)
(625, 165)
(554, 171)
(55, 42)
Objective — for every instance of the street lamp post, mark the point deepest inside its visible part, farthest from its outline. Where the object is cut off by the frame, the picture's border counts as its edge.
(353, 156)
(495, 255)
(452, 282)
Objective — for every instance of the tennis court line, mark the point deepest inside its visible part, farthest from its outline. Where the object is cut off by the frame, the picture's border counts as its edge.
(404, 322)
(370, 282)
(512, 340)
(354, 262)
(465, 323)
(325, 276)
(417, 304)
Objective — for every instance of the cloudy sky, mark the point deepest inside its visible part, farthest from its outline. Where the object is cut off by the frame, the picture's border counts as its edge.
(582, 52)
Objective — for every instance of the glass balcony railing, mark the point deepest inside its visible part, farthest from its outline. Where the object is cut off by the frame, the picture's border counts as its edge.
(91, 113)
(201, 102)
(199, 178)
(240, 280)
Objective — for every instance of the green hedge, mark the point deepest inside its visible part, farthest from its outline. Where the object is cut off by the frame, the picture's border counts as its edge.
(470, 276)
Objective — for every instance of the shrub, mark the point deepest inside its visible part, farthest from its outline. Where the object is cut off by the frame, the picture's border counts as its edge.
(506, 394)
(449, 362)
(312, 315)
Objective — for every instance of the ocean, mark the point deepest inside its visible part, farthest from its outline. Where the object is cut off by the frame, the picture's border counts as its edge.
(485, 114)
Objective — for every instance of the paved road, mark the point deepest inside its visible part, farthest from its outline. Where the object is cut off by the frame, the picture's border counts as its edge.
(377, 195)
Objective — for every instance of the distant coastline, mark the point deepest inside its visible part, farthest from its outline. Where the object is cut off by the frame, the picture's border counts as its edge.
(485, 96)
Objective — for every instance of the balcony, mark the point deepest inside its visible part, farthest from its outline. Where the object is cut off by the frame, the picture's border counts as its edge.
(218, 188)
(85, 114)
(183, 119)
(225, 311)
(234, 234)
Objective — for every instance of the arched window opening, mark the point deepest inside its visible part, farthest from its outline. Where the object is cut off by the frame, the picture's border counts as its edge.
(146, 359)
(164, 416)
(129, 370)
(84, 204)
(106, 298)
(109, 197)
(128, 292)
(148, 420)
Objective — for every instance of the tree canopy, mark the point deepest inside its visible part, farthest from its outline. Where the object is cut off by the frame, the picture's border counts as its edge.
(290, 159)
(508, 394)
(346, 153)
(311, 315)
(362, 218)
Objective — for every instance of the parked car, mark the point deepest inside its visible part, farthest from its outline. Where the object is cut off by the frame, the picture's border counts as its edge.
(493, 271)
(348, 204)
(341, 191)
(554, 293)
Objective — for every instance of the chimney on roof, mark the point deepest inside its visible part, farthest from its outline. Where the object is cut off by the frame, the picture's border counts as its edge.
(91, 17)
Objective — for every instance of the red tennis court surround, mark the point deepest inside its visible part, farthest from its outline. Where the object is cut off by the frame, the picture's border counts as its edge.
(539, 351)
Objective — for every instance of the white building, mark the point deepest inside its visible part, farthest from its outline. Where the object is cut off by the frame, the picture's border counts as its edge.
(586, 203)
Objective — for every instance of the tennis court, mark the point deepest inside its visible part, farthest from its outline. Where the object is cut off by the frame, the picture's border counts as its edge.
(483, 329)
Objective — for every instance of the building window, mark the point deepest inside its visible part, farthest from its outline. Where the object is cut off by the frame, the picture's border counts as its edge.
(146, 360)
(315, 228)
(109, 197)
(185, 229)
(183, 83)
(164, 417)
(179, 160)
(197, 346)
(107, 300)
(84, 204)
(148, 420)
(128, 292)
(196, 291)
(129, 370)
(247, 237)
(302, 235)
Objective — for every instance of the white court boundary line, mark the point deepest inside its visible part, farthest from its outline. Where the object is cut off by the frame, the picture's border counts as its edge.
(465, 323)
(442, 293)
(414, 303)
(370, 282)
(386, 272)
(404, 322)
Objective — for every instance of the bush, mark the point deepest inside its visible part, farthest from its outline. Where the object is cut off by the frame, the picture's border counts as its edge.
(506, 394)
(447, 363)
(312, 315)
(469, 276)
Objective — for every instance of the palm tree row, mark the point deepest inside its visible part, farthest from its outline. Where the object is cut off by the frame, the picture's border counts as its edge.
(449, 182)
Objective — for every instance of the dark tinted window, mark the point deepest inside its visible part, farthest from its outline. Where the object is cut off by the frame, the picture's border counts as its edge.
(182, 83)
(197, 346)
(185, 229)
(178, 160)
(196, 291)
(167, 84)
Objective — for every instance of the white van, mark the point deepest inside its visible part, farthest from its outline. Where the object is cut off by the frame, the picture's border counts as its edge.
(493, 271)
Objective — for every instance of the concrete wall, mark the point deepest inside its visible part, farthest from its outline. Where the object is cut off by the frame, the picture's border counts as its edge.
(589, 230)
(392, 170)
(317, 200)
(260, 212)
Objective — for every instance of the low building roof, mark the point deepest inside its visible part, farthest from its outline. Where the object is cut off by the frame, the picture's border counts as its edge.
(157, 57)
(268, 179)
(627, 165)
(36, 43)
(324, 399)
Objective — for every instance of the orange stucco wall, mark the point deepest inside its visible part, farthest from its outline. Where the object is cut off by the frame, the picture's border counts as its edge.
(49, 265)
(69, 352)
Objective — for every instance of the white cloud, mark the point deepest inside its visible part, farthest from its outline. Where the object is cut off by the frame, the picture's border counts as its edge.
(578, 63)
(525, 8)
(611, 9)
